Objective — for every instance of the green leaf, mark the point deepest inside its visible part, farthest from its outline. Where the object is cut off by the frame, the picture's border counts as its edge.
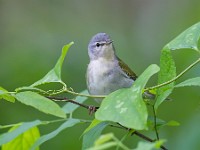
(92, 133)
(41, 103)
(173, 123)
(107, 141)
(149, 146)
(104, 146)
(44, 138)
(187, 39)
(126, 106)
(7, 137)
(160, 123)
(167, 72)
(70, 107)
(190, 82)
(104, 138)
(54, 75)
(94, 123)
(103, 143)
(5, 95)
(23, 141)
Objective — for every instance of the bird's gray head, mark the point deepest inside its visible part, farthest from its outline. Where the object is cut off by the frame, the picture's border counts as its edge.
(101, 46)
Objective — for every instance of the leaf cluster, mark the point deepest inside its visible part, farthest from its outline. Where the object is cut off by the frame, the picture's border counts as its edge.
(124, 108)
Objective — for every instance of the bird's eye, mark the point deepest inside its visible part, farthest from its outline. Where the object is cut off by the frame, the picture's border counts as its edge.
(98, 44)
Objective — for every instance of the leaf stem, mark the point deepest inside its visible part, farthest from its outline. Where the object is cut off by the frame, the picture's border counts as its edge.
(9, 125)
(120, 144)
(84, 95)
(155, 122)
(174, 79)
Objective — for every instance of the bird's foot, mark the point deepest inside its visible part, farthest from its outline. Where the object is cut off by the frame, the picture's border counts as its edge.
(92, 109)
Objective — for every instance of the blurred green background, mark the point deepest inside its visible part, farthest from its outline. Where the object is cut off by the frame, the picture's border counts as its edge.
(32, 33)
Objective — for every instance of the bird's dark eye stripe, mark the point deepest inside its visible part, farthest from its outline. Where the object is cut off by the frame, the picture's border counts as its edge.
(98, 44)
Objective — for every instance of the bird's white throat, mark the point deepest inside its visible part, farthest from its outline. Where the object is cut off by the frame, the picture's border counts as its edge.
(100, 67)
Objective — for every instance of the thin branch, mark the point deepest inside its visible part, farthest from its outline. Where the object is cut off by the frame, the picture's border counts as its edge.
(146, 138)
(177, 77)
(70, 91)
(67, 100)
(84, 95)
(155, 122)
(91, 109)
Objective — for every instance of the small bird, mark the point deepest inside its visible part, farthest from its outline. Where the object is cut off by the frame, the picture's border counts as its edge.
(106, 72)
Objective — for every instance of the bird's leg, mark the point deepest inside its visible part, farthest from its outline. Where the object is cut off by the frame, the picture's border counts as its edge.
(92, 109)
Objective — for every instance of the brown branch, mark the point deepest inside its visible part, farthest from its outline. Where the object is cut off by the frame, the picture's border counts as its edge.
(65, 99)
(93, 109)
(147, 138)
(140, 135)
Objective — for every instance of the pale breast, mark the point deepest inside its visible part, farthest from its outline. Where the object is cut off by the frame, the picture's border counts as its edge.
(99, 72)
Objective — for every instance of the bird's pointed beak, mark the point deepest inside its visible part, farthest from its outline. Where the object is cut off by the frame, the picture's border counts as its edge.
(109, 42)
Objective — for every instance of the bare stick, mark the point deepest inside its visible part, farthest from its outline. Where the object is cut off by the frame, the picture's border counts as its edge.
(65, 99)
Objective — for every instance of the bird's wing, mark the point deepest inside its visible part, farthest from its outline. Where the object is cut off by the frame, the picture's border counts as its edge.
(126, 69)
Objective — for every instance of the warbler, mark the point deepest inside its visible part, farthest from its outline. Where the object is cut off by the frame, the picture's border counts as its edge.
(106, 72)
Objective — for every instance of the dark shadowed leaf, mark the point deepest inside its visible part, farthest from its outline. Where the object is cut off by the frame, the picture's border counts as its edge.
(44, 138)
(7, 137)
(92, 133)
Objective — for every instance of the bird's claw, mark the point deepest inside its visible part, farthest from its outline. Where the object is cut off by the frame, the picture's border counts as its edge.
(92, 109)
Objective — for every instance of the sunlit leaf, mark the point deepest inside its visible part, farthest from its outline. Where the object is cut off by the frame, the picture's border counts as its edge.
(92, 133)
(70, 107)
(54, 75)
(7, 137)
(190, 82)
(94, 123)
(44, 138)
(104, 138)
(107, 141)
(41, 103)
(105, 146)
(23, 141)
(173, 123)
(126, 106)
(149, 146)
(5, 95)
(187, 39)
(167, 72)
